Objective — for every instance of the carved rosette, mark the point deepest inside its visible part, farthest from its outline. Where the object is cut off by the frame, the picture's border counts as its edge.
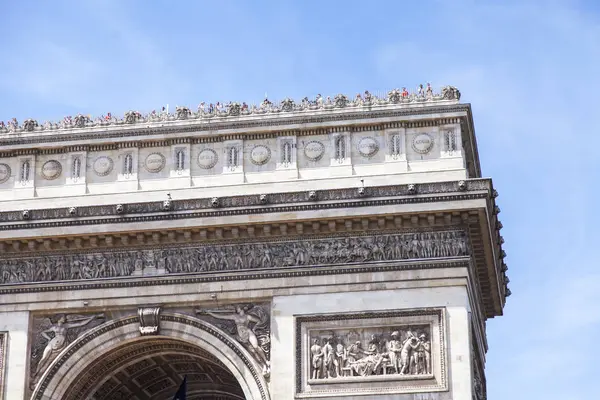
(314, 150)
(260, 155)
(422, 143)
(5, 172)
(149, 320)
(207, 158)
(51, 170)
(103, 165)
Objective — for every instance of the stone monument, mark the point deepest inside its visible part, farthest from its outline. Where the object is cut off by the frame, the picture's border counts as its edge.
(345, 247)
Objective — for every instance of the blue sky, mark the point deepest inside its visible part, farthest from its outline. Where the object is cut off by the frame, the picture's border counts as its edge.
(528, 68)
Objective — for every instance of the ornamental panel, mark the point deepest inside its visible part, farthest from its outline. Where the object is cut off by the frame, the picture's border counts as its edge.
(371, 353)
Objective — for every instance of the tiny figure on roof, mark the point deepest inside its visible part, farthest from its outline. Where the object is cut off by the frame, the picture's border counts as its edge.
(108, 116)
(328, 100)
(211, 108)
(244, 106)
(218, 106)
(420, 91)
(201, 107)
(319, 100)
(404, 92)
(68, 120)
(368, 96)
(2, 126)
(429, 90)
(358, 99)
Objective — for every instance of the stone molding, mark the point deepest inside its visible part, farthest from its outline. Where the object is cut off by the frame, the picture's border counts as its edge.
(242, 204)
(3, 361)
(431, 320)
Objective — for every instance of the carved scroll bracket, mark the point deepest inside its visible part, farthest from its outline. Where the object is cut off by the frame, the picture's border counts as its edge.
(149, 320)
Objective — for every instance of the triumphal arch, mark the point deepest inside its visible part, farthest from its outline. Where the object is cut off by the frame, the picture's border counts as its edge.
(339, 248)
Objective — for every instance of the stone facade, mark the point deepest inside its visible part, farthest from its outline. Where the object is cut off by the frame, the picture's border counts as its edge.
(335, 248)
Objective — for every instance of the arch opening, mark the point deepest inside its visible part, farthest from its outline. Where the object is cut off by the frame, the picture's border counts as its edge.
(152, 368)
(113, 361)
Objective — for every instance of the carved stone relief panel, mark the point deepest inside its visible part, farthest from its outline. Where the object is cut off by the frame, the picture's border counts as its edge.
(249, 324)
(51, 170)
(423, 143)
(152, 162)
(180, 154)
(5, 172)
(286, 146)
(478, 388)
(104, 166)
(233, 157)
(236, 256)
(51, 334)
(313, 151)
(395, 351)
(368, 147)
(260, 155)
(3, 361)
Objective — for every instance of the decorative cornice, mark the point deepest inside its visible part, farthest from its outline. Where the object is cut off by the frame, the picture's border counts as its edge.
(199, 127)
(491, 269)
(236, 110)
(250, 204)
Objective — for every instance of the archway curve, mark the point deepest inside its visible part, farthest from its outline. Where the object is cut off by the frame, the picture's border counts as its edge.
(79, 356)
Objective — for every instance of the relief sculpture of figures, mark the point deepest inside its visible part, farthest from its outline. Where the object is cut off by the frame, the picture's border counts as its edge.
(53, 335)
(227, 257)
(364, 354)
(250, 326)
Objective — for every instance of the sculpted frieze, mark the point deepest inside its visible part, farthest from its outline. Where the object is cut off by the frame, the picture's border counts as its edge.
(235, 256)
(371, 351)
(249, 324)
(395, 351)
